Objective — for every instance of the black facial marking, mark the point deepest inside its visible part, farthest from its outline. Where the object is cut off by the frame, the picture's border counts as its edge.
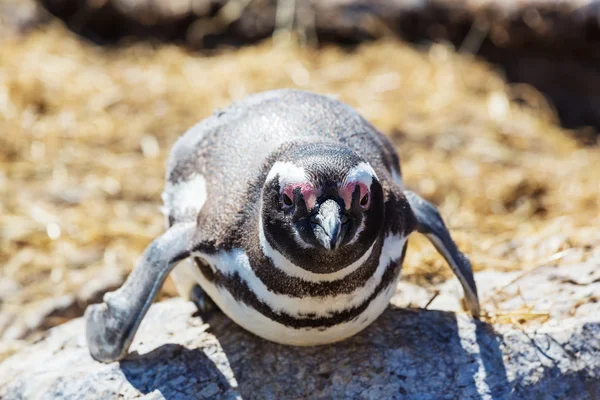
(299, 203)
(281, 229)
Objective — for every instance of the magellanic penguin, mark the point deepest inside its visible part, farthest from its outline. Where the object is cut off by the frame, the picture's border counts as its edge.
(291, 209)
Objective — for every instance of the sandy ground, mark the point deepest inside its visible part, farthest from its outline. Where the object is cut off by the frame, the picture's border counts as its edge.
(85, 132)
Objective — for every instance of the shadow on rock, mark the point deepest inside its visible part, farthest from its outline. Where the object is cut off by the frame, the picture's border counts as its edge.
(404, 354)
(495, 379)
(177, 373)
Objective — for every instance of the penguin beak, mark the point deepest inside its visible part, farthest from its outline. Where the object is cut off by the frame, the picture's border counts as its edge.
(327, 225)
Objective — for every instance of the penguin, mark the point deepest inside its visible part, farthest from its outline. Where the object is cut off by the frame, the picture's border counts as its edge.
(286, 210)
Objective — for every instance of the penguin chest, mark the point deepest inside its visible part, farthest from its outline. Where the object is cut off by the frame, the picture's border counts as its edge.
(296, 311)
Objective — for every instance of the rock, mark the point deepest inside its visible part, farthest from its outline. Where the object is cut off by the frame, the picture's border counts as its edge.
(406, 353)
(551, 292)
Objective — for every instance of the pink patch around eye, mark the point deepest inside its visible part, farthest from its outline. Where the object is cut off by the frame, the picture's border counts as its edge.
(347, 191)
(308, 193)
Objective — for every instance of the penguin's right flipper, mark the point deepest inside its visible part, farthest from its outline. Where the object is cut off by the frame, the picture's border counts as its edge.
(431, 224)
(111, 326)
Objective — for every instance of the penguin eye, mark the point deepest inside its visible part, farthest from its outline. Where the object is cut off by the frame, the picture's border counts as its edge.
(286, 200)
(365, 200)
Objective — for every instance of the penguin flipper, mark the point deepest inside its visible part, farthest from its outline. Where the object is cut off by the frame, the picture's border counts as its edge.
(111, 325)
(431, 224)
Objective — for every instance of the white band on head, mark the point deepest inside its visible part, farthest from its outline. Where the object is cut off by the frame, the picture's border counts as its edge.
(288, 173)
(362, 173)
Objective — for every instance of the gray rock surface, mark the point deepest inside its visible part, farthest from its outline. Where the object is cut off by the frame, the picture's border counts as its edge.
(406, 353)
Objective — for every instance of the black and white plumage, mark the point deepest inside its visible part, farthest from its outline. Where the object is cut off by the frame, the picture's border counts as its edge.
(291, 209)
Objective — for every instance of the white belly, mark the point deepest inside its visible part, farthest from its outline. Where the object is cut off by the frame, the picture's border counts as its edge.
(187, 274)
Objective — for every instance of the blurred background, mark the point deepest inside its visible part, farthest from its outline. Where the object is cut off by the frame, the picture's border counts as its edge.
(494, 107)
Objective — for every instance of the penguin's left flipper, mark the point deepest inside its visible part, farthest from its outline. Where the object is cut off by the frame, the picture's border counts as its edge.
(430, 223)
(111, 325)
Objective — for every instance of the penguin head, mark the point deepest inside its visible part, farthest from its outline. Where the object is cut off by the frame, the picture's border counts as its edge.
(322, 206)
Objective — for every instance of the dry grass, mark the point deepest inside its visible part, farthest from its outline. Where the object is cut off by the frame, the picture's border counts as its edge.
(85, 132)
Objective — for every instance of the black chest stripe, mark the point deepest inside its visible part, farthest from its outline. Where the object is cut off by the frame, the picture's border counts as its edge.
(242, 293)
(279, 282)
